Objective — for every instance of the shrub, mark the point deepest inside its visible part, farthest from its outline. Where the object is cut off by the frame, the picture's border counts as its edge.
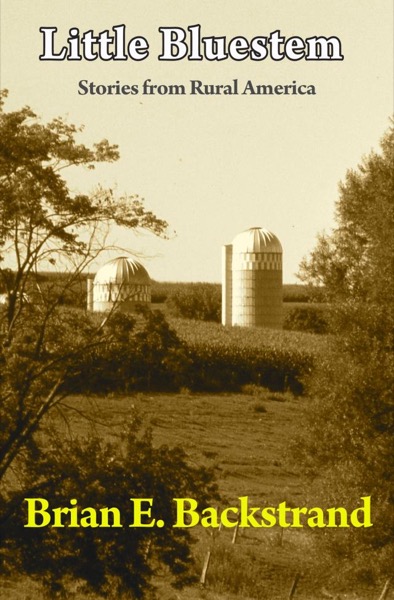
(158, 297)
(259, 408)
(348, 441)
(162, 290)
(201, 301)
(311, 318)
(145, 354)
(114, 561)
(250, 389)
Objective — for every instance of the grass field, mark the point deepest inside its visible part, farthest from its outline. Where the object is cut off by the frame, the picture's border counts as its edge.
(246, 447)
(229, 432)
(245, 437)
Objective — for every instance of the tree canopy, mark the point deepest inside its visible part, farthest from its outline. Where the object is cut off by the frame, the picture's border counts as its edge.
(356, 261)
(349, 444)
(43, 349)
(41, 221)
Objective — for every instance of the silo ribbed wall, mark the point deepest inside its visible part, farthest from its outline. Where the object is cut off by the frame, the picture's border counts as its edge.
(127, 297)
(257, 289)
(227, 285)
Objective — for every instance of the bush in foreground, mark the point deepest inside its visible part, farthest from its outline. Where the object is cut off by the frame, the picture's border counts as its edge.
(347, 443)
(109, 561)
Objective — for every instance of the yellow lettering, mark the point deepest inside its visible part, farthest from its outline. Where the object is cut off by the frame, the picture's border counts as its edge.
(248, 514)
(33, 511)
(139, 512)
(223, 517)
(282, 511)
(363, 510)
(209, 517)
(268, 515)
(297, 512)
(333, 512)
(91, 517)
(318, 519)
(115, 512)
(73, 514)
(57, 516)
(182, 511)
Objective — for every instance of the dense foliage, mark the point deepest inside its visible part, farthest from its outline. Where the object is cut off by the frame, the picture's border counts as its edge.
(148, 353)
(349, 444)
(42, 222)
(111, 560)
(312, 318)
(202, 301)
(144, 353)
(43, 350)
(162, 291)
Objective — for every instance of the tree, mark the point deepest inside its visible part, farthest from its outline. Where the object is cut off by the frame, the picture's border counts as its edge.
(348, 446)
(200, 301)
(41, 220)
(43, 223)
(113, 561)
(355, 261)
(43, 344)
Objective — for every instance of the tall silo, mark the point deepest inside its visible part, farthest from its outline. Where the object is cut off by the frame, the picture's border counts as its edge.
(123, 282)
(252, 280)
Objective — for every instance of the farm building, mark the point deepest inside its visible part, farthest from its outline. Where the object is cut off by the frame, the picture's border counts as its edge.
(122, 281)
(252, 280)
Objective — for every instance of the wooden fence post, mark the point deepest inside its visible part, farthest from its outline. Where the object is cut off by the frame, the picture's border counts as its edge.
(205, 568)
(385, 590)
(294, 586)
(213, 535)
(235, 534)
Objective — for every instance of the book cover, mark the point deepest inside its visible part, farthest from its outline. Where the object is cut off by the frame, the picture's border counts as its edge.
(185, 156)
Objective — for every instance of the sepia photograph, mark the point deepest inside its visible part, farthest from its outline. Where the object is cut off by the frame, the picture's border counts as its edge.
(196, 300)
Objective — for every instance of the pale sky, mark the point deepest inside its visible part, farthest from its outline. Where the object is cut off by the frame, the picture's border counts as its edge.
(213, 166)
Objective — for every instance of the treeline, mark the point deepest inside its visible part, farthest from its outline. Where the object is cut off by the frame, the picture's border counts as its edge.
(46, 285)
(164, 291)
(203, 302)
(199, 301)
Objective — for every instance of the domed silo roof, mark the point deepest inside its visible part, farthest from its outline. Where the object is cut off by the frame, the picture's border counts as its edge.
(122, 271)
(256, 239)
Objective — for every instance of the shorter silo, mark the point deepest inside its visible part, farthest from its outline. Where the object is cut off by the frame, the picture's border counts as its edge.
(252, 280)
(122, 282)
